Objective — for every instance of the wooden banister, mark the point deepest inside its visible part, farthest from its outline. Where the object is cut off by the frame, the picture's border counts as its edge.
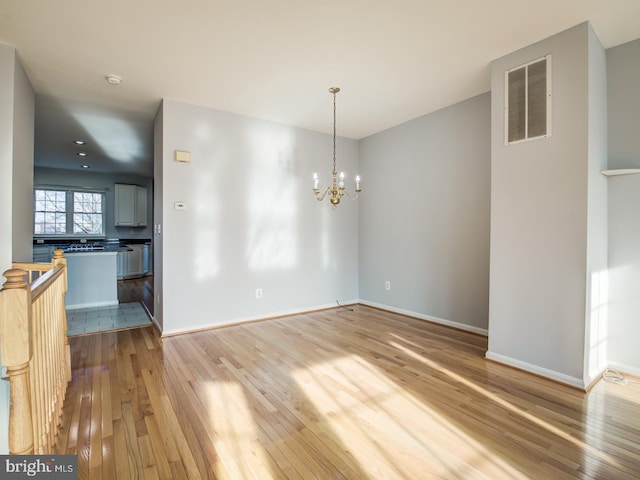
(35, 350)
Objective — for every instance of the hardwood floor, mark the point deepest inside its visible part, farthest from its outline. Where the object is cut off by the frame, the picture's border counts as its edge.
(137, 290)
(334, 394)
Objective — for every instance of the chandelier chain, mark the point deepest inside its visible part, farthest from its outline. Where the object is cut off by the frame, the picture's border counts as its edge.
(334, 133)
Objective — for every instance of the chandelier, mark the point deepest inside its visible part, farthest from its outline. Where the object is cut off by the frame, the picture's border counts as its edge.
(337, 189)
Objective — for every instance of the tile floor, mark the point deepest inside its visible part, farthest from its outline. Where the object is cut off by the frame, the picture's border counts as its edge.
(117, 317)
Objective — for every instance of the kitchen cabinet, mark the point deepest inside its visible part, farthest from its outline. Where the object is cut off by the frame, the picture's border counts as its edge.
(140, 209)
(130, 205)
(135, 261)
(121, 264)
(146, 259)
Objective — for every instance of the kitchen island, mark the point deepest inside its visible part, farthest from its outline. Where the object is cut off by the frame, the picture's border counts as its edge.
(91, 277)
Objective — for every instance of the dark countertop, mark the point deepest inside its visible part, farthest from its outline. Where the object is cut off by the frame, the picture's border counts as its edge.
(135, 241)
(107, 242)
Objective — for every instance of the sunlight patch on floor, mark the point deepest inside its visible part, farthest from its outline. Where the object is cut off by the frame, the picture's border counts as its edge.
(595, 452)
(233, 433)
(338, 391)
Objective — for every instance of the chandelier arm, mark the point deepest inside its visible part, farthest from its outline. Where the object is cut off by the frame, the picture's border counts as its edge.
(346, 192)
(324, 194)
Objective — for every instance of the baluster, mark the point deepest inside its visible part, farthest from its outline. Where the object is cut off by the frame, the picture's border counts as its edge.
(36, 379)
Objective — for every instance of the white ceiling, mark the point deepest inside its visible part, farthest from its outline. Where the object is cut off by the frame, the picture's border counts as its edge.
(270, 59)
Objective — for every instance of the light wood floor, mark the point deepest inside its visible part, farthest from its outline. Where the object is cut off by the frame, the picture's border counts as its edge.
(334, 394)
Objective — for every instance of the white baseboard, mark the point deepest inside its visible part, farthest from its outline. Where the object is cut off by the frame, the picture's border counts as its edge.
(78, 306)
(428, 318)
(543, 372)
(257, 318)
(623, 368)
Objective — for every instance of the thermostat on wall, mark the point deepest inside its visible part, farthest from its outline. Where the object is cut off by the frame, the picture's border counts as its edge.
(184, 157)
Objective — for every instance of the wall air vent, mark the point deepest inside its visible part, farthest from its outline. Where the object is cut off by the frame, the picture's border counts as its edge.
(527, 97)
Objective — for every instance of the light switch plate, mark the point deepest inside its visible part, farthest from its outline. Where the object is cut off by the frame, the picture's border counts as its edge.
(183, 157)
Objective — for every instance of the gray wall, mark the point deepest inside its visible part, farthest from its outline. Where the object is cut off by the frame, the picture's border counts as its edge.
(250, 220)
(424, 216)
(540, 215)
(7, 69)
(596, 306)
(101, 181)
(17, 101)
(23, 133)
(623, 70)
(16, 165)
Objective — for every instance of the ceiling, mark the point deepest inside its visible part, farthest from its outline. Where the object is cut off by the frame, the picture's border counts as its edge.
(275, 60)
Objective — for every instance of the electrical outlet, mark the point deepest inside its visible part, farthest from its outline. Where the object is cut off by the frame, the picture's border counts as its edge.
(387, 285)
(258, 293)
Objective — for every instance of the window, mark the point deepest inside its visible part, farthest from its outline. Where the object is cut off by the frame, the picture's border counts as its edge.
(528, 101)
(68, 212)
(50, 216)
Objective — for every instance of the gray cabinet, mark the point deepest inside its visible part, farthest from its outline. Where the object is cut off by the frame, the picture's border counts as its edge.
(130, 205)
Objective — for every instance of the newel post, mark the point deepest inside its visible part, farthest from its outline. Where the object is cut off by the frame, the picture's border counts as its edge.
(15, 342)
(60, 260)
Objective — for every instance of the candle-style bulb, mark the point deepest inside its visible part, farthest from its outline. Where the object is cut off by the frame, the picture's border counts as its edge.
(357, 182)
(341, 179)
(315, 181)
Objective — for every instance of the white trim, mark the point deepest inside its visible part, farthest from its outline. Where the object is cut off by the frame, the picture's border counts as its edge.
(71, 188)
(78, 306)
(237, 321)
(543, 372)
(623, 368)
(549, 96)
(620, 171)
(428, 318)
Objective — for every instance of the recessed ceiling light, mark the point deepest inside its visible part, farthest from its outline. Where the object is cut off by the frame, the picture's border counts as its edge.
(85, 166)
(79, 142)
(82, 154)
(113, 79)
